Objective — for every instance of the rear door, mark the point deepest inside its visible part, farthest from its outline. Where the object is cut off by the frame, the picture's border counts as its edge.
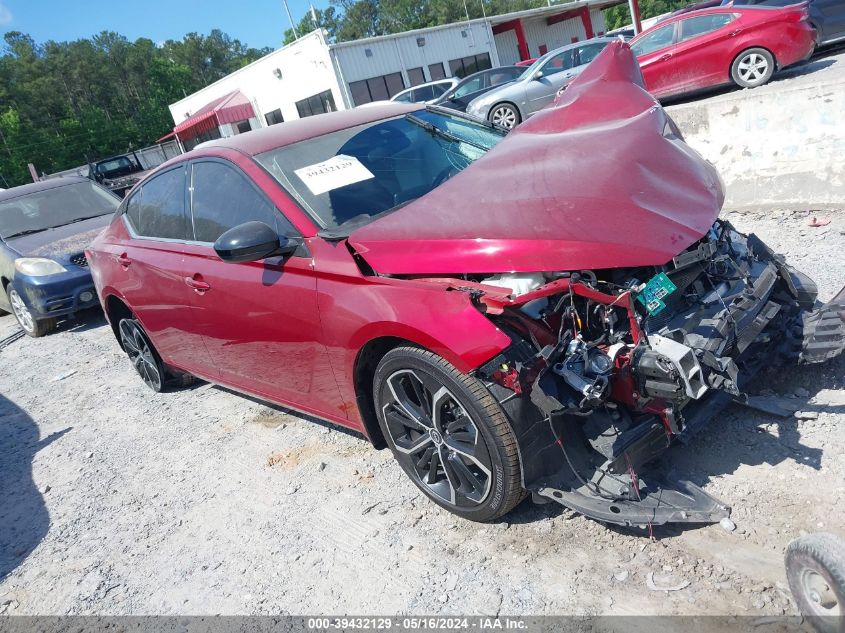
(654, 53)
(829, 17)
(259, 319)
(705, 50)
(152, 263)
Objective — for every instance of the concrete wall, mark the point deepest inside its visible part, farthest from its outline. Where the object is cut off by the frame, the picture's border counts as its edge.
(306, 70)
(782, 144)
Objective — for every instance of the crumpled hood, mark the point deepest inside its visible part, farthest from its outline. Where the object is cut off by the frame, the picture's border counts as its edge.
(62, 240)
(596, 180)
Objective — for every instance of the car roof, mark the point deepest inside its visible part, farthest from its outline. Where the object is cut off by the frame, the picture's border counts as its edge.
(43, 185)
(290, 132)
(671, 19)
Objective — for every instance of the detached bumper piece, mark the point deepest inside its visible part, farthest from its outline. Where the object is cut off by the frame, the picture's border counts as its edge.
(824, 331)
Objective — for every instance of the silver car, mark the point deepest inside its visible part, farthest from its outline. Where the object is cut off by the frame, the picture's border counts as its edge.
(514, 102)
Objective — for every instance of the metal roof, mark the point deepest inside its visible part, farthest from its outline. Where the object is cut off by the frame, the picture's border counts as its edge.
(493, 20)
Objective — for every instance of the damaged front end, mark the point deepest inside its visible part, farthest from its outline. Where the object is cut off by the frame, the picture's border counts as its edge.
(609, 367)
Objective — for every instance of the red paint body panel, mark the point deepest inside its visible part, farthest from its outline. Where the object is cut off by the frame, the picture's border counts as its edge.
(592, 182)
(589, 182)
(705, 61)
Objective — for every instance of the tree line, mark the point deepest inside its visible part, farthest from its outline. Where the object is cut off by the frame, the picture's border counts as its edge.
(65, 103)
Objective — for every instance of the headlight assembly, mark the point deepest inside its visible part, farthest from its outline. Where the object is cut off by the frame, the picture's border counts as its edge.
(38, 266)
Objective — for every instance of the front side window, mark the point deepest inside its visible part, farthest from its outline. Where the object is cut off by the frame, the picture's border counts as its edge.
(222, 198)
(347, 178)
(703, 24)
(560, 62)
(469, 86)
(157, 209)
(54, 207)
(423, 93)
(654, 41)
(588, 52)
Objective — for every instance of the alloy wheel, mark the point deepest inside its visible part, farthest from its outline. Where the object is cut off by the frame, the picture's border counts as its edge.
(140, 353)
(22, 313)
(504, 116)
(437, 439)
(752, 68)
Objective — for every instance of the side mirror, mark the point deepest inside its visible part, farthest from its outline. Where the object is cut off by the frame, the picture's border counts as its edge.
(251, 241)
(538, 75)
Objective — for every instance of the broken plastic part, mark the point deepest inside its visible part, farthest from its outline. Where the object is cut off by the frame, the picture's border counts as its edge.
(684, 360)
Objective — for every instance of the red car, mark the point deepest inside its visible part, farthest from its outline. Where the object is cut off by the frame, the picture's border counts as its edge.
(508, 314)
(712, 47)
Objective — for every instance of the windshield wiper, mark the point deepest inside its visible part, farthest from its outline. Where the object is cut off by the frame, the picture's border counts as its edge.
(436, 131)
(27, 232)
(87, 217)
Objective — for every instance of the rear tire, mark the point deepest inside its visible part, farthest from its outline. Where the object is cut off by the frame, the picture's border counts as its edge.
(29, 324)
(815, 568)
(448, 434)
(752, 68)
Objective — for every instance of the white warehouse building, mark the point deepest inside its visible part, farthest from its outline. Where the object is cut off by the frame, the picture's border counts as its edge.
(311, 76)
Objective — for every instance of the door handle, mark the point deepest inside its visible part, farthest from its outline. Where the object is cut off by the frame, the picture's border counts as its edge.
(663, 58)
(123, 260)
(735, 33)
(197, 283)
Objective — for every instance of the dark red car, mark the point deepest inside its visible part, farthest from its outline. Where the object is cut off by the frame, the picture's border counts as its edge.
(508, 314)
(712, 47)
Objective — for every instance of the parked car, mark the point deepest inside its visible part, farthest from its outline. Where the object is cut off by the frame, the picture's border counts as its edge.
(826, 16)
(118, 173)
(369, 267)
(526, 62)
(713, 47)
(695, 6)
(472, 87)
(425, 93)
(509, 105)
(44, 229)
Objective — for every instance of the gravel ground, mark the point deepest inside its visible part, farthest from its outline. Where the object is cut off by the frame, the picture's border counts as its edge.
(115, 500)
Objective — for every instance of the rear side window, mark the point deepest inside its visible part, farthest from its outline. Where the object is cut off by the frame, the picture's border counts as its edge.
(702, 24)
(654, 41)
(223, 198)
(423, 94)
(157, 209)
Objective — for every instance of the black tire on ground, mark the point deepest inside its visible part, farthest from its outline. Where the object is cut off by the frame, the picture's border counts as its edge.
(142, 354)
(29, 324)
(815, 568)
(448, 434)
(752, 67)
(505, 115)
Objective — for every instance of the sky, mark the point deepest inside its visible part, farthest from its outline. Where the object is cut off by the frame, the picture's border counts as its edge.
(256, 23)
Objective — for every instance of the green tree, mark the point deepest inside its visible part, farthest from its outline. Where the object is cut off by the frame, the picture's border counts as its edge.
(326, 19)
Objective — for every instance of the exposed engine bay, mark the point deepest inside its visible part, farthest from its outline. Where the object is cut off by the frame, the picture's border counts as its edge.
(608, 367)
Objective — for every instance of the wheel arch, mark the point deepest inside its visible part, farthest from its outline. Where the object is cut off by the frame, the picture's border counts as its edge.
(116, 309)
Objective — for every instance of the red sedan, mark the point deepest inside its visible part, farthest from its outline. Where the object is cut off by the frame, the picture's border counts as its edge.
(542, 312)
(712, 47)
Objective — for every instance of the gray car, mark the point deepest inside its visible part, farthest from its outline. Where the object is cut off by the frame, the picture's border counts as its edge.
(514, 102)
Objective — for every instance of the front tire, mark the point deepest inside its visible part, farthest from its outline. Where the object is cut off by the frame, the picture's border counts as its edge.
(815, 569)
(142, 354)
(29, 324)
(752, 68)
(448, 434)
(505, 115)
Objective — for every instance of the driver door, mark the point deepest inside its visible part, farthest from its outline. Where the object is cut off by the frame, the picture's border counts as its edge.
(259, 319)
(551, 77)
(654, 51)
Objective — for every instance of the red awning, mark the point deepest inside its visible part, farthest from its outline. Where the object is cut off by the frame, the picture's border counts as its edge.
(227, 109)
(166, 136)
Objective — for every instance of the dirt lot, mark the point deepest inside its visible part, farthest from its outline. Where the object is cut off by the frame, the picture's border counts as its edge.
(116, 500)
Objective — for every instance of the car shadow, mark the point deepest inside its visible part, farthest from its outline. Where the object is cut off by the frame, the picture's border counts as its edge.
(82, 321)
(24, 519)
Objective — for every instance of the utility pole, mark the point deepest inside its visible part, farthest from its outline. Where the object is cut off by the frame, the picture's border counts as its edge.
(634, 6)
(292, 25)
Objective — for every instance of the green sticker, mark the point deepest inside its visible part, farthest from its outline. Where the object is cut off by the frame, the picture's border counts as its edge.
(655, 290)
